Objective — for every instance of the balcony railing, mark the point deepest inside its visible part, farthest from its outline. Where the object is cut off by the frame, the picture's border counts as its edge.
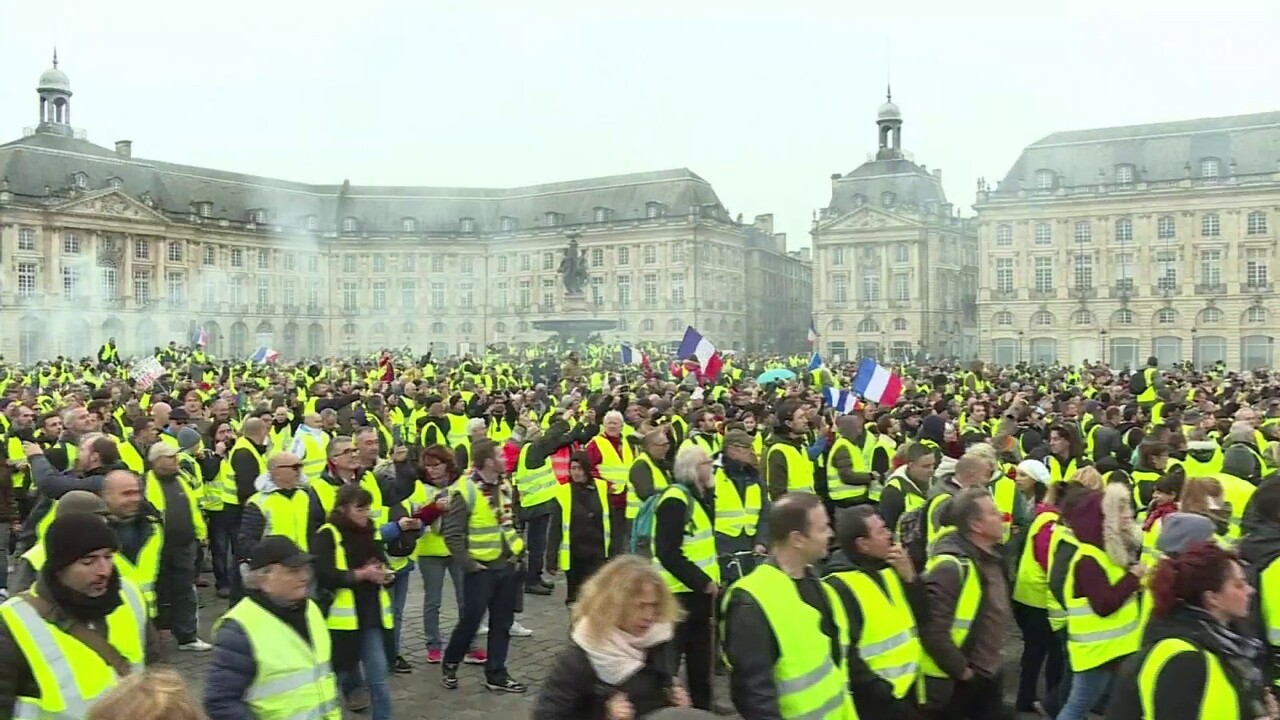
(1166, 289)
(1043, 294)
(1122, 290)
(1259, 287)
(1211, 288)
(1084, 293)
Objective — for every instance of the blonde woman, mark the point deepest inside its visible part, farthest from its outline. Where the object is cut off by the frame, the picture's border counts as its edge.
(150, 695)
(617, 665)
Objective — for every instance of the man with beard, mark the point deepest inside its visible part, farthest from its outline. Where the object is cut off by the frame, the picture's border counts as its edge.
(83, 617)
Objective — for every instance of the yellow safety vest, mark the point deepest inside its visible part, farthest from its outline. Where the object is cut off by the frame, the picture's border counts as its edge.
(230, 492)
(699, 546)
(836, 488)
(416, 500)
(1219, 699)
(155, 495)
(211, 495)
(431, 542)
(536, 485)
(342, 613)
(1031, 586)
(911, 500)
(966, 606)
(659, 484)
(1059, 472)
(799, 468)
(564, 495)
(1004, 492)
(485, 534)
(130, 456)
(70, 674)
(21, 478)
(736, 514)
(377, 511)
(1093, 640)
(615, 467)
(146, 569)
(315, 451)
(888, 643)
(294, 678)
(284, 515)
(810, 684)
(1237, 492)
(1059, 535)
(457, 434)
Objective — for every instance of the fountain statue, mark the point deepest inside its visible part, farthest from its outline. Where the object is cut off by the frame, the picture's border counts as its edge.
(575, 323)
(573, 267)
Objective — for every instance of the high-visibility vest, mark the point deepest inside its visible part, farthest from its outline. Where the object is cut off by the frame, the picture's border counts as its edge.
(457, 434)
(284, 515)
(699, 544)
(280, 440)
(1210, 468)
(799, 468)
(378, 513)
(1004, 492)
(130, 456)
(536, 485)
(1237, 492)
(342, 613)
(155, 495)
(966, 606)
(1031, 586)
(485, 534)
(1059, 472)
(211, 495)
(315, 452)
(710, 443)
(70, 674)
(811, 685)
(910, 500)
(431, 542)
(1269, 604)
(1062, 547)
(144, 569)
(888, 643)
(564, 495)
(659, 484)
(1219, 699)
(736, 514)
(615, 465)
(1141, 479)
(1094, 640)
(13, 448)
(294, 678)
(230, 491)
(836, 488)
(416, 501)
(1148, 393)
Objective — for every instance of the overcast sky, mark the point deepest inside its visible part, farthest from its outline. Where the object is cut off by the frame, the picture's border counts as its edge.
(764, 100)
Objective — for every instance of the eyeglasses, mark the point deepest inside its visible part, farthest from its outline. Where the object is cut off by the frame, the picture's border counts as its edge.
(294, 466)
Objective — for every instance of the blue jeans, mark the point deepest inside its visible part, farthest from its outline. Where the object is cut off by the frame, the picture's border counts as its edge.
(433, 570)
(224, 525)
(373, 662)
(1086, 689)
(494, 591)
(399, 594)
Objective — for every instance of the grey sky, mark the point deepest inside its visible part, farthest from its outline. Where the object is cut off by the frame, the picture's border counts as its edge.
(764, 102)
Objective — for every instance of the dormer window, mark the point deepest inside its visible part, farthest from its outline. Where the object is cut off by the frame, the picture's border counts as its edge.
(1209, 169)
(408, 225)
(603, 214)
(311, 222)
(80, 180)
(1124, 174)
(205, 209)
(257, 217)
(553, 218)
(888, 198)
(467, 225)
(509, 224)
(653, 210)
(350, 224)
(1045, 180)
(115, 183)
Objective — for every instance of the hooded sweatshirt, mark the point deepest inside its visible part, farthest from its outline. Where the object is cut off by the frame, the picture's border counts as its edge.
(1091, 582)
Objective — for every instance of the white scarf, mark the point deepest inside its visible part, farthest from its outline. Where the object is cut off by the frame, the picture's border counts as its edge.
(619, 655)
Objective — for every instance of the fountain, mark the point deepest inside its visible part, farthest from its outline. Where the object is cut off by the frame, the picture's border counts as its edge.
(574, 324)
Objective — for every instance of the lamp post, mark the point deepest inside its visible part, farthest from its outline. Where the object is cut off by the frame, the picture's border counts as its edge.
(1020, 346)
(1103, 333)
(1194, 350)
(884, 346)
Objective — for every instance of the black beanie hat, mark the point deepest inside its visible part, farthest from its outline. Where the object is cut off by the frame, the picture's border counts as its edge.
(71, 537)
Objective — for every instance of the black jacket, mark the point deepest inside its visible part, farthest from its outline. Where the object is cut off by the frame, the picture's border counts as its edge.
(573, 690)
(872, 695)
(1259, 548)
(671, 525)
(1181, 683)
(233, 666)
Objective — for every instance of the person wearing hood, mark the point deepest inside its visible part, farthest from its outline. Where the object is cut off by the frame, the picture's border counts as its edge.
(1193, 663)
(80, 592)
(1102, 599)
(966, 588)
(280, 507)
(1260, 548)
(883, 599)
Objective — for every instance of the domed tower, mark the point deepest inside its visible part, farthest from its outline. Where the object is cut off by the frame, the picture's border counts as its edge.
(889, 120)
(55, 100)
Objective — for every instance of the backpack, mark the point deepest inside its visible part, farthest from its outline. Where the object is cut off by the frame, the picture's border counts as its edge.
(647, 517)
(1138, 382)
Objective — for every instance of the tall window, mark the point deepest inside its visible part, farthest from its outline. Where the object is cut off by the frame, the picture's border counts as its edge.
(264, 291)
(1166, 228)
(677, 253)
(902, 253)
(177, 288)
(379, 263)
(837, 256)
(1122, 270)
(597, 257)
(264, 259)
(350, 295)
(1044, 179)
(437, 296)
(26, 279)
(409, 262)
(237, 290)
(650, 254)
(501, 296)
(1124, 230)
(1083, 271)
(901, 287)
(409, 294)
(313, 295)
(1124, 174)
(1257, 270)
(466, 294)
(1044, 234)
(871, 286)
(26, 238)
(1042, 273)
(380, 295)
(548, 293)
(142, 287)
(1167, 269)
(1211, 267)
(437, 263)
(677, 289)
(110, 283)
(840, 288)
(504, 263)
(548, 261)
(237, 257)
(650, 289)
(70, 244)
(1257, 223)
(1004, 275)
(467, 264)
(141, 249)
(1004, 235)
(290, 293)
(175, 251)
(624, 291)
(348, 263)
(1209, 168)
(624, 256)
(1084, 232)
(210, 255)
(1209, 226)
(597, 290)
(525, 297)
(210, 291)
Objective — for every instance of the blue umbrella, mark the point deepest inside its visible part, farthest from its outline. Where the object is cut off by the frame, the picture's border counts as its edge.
(776, 375)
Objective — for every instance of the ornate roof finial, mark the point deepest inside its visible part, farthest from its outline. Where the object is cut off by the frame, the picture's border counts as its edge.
(55, 56)
(888, 92)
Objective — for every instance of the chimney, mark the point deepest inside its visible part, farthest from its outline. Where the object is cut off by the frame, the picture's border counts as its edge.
(937, 172)
(124, 148)
(764, 223)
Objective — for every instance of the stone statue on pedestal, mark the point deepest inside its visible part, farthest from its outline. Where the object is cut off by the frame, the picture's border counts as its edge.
(573, 268)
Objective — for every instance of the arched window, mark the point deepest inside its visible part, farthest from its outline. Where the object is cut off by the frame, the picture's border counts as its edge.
(1004, 318)
(867, 325)
(1255, 315)
(1082, 317)
(899, 324)
(1004, 235)
(1166, 316)
(1042, 318)
(500, 328)
(1210, 316)
(437, 328)
(673, 325)
(837, 325)
(465, 328)
(1123, 316)
(1257, 223)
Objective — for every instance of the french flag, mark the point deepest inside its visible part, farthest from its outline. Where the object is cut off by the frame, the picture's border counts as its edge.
(877, 383)
(815, 362)
(632, 356)
(264, 354)
(813, 333)
(200, 338)
(697, 346)
(842, 400)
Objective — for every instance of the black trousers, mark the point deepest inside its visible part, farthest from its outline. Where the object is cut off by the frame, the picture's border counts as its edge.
(176, 608)
(536, 530)
(980, 698)
(693, 642)
(580, 570)
(619, 532)
(1040, 648)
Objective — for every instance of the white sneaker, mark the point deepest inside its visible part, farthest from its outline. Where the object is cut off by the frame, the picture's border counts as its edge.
(484, 629)
(196, 645)
(518, 630)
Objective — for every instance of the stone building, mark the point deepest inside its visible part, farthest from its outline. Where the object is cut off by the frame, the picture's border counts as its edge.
(895, 268)
(779, 290)
(97, 243)
(1119, 243)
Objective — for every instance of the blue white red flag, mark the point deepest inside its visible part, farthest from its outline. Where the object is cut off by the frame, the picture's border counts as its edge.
(696, 346)
(877, 383)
